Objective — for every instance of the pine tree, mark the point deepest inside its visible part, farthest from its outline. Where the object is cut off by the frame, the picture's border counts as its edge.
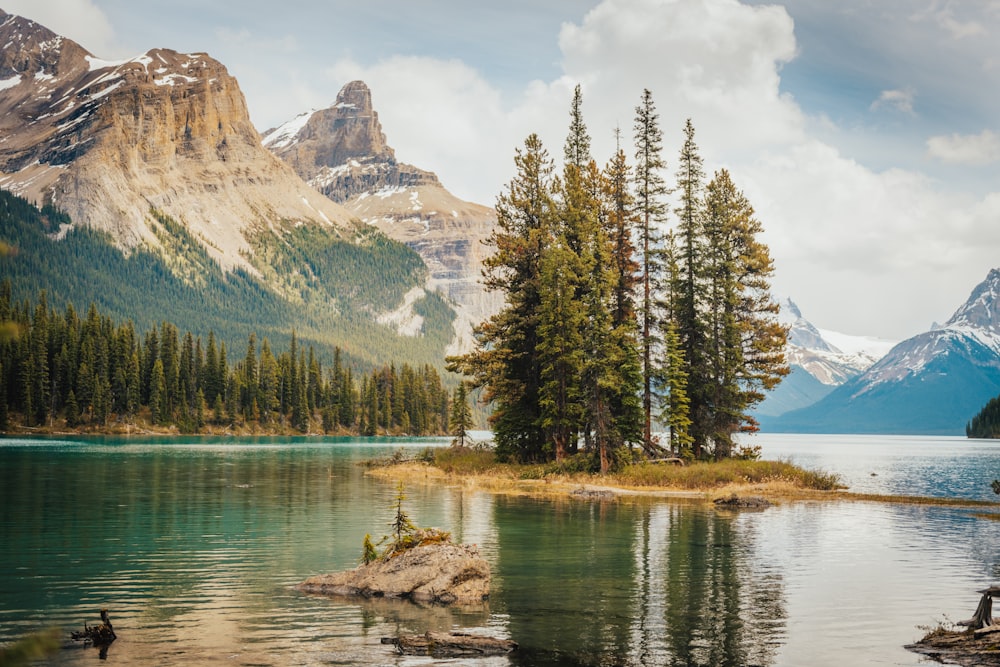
(650, 190)
(159, 412)
(626, 378)
(745, 341)
(461, 415)
(690, 299)
(675, 404)
(72, 410)
(506, 362)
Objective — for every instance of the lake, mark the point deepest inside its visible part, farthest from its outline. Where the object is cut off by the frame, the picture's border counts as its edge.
(195, 545)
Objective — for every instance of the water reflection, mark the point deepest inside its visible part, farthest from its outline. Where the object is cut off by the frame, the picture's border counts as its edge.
(615, 583)
(213, 537)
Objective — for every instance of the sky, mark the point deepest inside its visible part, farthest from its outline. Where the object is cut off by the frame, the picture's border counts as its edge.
(866, 133)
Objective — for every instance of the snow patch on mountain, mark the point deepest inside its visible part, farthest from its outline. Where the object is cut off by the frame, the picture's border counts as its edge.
(830, 357)
(404, 319)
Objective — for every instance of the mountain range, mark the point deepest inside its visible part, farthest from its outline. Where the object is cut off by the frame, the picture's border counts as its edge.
(820, 361)
(930, 384)
(143, 186)
(157, 157)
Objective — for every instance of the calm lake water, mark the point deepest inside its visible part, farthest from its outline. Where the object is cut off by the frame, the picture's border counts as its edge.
(194, 545)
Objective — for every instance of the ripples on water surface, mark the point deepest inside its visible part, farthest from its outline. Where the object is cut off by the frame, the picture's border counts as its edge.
(195, 546)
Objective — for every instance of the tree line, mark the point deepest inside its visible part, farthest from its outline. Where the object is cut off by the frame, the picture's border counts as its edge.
(618, 316)
(91, 372)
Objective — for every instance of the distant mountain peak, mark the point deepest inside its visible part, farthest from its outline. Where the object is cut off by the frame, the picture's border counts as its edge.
(342, 151)
(980, 311)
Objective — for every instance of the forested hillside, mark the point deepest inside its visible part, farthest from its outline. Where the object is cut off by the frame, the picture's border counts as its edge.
(330, 288)
(58, 368)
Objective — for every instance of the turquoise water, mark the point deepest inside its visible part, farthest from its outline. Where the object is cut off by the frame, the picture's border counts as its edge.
(195, 545)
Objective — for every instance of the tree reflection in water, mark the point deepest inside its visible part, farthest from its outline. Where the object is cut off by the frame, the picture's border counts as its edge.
(623, 583)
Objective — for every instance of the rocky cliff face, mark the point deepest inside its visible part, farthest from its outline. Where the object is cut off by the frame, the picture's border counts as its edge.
(342, 152)
(109, 143)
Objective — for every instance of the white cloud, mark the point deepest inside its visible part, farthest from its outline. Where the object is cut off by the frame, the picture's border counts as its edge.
(80, 20)
(899, 100)
(864, 252)
(971, 149)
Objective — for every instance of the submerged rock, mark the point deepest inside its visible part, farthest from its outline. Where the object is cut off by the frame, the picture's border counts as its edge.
(744, 502)
(438, 573)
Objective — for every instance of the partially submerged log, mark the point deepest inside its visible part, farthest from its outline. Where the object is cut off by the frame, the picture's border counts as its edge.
(438, 573)
(450, 645)
(98, 635)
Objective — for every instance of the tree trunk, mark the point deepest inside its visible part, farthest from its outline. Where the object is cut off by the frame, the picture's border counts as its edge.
(983, 616)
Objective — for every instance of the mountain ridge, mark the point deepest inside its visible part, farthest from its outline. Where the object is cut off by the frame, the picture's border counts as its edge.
(158, 153)
(109, 142)
(931, 383)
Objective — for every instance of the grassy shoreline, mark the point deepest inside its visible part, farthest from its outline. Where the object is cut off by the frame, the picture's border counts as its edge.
(775, 481)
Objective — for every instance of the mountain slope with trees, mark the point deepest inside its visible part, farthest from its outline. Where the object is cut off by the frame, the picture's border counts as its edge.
(64, 370)
(84, 266)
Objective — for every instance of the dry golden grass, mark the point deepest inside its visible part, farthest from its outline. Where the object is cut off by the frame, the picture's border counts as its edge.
(774, 480)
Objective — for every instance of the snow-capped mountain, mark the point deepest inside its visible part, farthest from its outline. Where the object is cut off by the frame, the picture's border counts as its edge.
(820, 361)
(932, 383)
(113, 144)
(159, 153)
(832, 358)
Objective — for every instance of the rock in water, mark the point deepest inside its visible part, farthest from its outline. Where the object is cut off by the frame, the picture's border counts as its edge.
(438, 573)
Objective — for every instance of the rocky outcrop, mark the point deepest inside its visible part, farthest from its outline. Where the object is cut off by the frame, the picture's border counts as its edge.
(438, 573)
(109, 142)
(342, 152)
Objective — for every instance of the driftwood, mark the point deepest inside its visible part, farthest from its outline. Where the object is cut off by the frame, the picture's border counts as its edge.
(450, 645)
(984, 612)
(976, 646)
(673, 460)
(98, 635)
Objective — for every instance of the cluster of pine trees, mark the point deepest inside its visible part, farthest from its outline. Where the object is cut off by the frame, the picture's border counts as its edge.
(89, 372)
(615, 318)
(986, 423)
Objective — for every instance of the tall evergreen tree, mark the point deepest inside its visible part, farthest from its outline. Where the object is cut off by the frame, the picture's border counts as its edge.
(506, 362)
(690, 279)
(745, 341)
(650, 191)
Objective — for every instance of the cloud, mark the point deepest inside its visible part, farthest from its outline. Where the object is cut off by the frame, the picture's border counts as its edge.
(851, 245)
(945, 18)
(898, 100)
(971, 149)
(80, 20)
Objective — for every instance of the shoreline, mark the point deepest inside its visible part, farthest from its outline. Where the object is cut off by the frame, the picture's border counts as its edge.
(566, 486)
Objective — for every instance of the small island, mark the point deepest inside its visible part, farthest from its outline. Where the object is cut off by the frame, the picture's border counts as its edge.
(418, 564)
